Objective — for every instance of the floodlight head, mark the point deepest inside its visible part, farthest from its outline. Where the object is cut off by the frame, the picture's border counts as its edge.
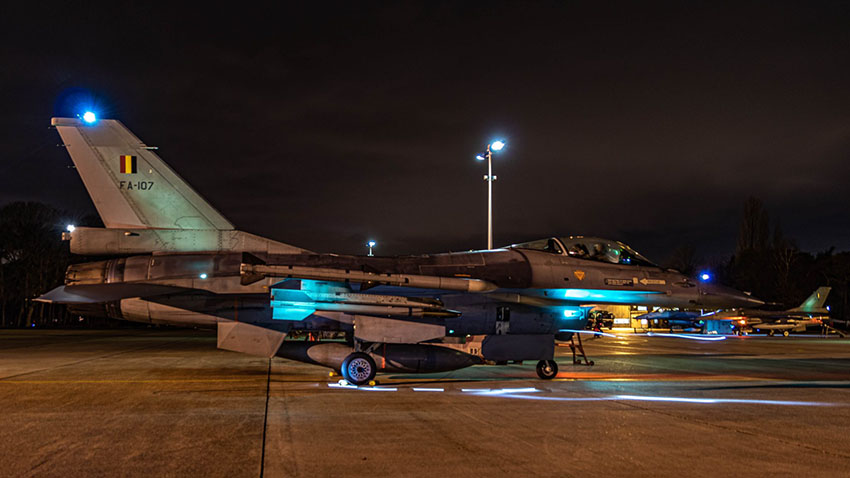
(89, 117)
(70, 227)
(371, 243)
(497, 145)
(480, 157)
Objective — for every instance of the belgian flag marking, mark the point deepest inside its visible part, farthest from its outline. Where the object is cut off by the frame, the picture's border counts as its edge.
(128, 164)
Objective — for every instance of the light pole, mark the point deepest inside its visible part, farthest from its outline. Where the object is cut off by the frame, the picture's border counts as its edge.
(488, 155)
(371, 244)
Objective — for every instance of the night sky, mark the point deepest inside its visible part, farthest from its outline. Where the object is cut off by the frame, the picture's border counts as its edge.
(328, 125)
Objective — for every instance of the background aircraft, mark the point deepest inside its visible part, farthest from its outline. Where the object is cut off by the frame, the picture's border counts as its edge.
(810, 312)
(179, 261)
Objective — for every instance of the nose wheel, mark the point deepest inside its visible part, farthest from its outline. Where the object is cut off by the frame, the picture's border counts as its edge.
(358, 368)
(547, 369)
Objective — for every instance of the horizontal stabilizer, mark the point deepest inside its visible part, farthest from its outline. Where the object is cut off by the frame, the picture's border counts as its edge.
(97, 293)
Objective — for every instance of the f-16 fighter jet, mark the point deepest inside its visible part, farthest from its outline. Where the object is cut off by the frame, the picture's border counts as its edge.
(179, 261)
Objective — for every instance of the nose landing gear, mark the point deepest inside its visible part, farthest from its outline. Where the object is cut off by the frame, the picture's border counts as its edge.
(547, 369)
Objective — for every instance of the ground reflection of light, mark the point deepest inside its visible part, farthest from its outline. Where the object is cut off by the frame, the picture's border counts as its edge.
(561, 399)
(588, 332)
(671, 399)
(499, 391)
(368, 389)
(509, 391)
(713, 338)
(529, 394)
(722, 400)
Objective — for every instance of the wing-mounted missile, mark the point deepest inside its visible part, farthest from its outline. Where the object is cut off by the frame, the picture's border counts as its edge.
(254, 269)
(297, 299)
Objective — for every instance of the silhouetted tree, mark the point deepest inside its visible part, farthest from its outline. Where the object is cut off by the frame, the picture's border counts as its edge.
(32, 260)
(684, 259)
(755, 226)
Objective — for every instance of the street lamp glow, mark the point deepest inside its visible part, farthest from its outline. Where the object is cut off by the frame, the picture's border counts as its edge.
(480, 157)
(705, 276)
(371, 244)
(70, 227)
(497, 145)
(89, 117)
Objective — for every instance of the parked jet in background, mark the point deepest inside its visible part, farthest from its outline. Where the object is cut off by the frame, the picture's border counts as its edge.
(811, 312)
(179, 261)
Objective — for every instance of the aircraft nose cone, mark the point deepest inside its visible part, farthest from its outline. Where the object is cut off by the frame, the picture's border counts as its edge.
(714, 295)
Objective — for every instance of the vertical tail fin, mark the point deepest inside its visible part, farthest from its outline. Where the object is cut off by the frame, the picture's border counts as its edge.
(815, 302)
(130, 185)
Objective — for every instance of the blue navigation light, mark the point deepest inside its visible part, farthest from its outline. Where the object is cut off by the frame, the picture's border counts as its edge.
(89, 117)
(497, 145)
(705, 277)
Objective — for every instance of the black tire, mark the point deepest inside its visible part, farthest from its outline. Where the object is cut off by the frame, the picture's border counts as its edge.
(547, 369)
(358, 368)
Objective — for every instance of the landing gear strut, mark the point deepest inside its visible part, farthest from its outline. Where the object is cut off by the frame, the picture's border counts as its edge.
(358, 368)
(547, 369)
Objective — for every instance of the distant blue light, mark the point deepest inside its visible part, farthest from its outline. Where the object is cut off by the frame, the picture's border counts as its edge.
(497, 145)
(203, 276)
(705, 277)
(89, 117)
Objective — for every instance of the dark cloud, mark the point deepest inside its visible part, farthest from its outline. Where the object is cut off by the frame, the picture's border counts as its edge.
(324, 125)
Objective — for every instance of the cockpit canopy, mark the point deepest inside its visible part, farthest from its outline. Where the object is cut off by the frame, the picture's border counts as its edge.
(589, 248)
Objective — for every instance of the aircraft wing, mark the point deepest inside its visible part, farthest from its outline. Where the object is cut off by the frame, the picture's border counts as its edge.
(96, 293)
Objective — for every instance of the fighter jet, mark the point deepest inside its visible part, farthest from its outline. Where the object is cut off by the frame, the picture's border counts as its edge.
(810, 312)
(179, 261)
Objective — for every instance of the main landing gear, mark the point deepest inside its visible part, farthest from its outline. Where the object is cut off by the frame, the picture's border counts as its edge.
(547, 369)
(359, 368)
